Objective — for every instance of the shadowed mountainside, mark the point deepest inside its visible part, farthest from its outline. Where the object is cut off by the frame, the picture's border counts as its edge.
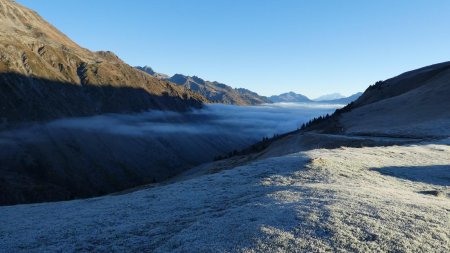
(413, 104)
(25, 98)
(31, 49)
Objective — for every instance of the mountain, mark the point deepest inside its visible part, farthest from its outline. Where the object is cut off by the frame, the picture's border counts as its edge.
(289, 97)
(45, 75)
(219, 92)
(299, 98)
(150, 71)
(214, 91)
(328, 97)
(344, 100)
(413, 104)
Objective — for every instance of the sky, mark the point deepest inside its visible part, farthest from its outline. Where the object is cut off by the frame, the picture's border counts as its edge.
(309, 47)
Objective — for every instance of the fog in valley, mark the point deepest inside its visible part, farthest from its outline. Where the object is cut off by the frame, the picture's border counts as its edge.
(106, 153)
(250, 122)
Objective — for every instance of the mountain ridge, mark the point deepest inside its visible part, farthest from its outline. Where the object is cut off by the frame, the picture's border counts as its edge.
(413, 104)
(214, 91)
(299, 98)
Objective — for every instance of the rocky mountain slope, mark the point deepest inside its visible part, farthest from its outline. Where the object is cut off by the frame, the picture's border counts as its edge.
(219, 92)
(150, 71)
(44, 75)
(214, 91)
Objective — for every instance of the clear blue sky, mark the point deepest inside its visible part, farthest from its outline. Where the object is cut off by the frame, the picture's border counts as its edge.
(311, 47)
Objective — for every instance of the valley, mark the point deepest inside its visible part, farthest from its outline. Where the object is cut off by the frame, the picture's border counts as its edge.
(84, 157)
(99, 156)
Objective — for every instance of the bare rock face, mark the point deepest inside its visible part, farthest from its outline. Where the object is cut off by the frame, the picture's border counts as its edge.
(44, 75)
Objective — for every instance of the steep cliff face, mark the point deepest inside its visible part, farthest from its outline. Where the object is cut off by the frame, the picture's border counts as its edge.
(44, 74)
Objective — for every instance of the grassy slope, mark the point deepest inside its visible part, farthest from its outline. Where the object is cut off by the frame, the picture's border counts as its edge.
(345, 199)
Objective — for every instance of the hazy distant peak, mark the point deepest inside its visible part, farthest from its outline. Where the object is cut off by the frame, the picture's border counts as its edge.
(179, 79)
(198, 80)
(290, 97)
(293, 97)
(331, 96)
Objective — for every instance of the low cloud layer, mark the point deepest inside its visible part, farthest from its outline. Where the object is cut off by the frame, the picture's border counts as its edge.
(255, 121)
(117, 151)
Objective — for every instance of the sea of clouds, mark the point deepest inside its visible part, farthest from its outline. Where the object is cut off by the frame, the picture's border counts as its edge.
(254, 121)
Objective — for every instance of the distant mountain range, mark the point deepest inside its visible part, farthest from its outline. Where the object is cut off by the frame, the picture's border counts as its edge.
(218, 92)
(214, 91)
(334, 98)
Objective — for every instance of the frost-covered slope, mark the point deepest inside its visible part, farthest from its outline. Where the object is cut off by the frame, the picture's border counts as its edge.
(348, 199)
(415, 103)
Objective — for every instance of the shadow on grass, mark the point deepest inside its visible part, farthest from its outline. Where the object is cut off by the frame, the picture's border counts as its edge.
(435, 174)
